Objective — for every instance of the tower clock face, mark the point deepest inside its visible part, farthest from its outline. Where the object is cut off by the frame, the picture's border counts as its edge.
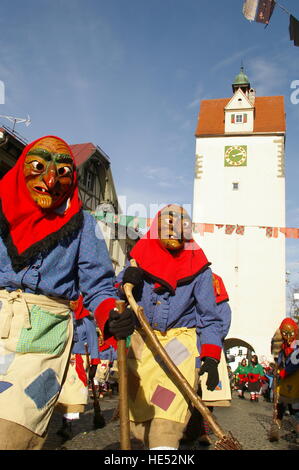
(235, 155)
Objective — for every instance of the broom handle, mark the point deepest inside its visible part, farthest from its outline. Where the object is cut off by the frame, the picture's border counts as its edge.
(125, 443)
(275, 394)
(88, 369)
(158, 348)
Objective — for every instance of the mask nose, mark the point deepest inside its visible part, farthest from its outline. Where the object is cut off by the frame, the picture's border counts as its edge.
(50, 177)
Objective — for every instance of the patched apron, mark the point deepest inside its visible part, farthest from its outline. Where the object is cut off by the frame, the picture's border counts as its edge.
(152, 393)
(74, 391)
(36, 335)
(221, 396)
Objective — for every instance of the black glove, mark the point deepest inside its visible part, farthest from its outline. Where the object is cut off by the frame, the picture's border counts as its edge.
(121, 325)
(92, 371)
(133, 275)
(210, 366)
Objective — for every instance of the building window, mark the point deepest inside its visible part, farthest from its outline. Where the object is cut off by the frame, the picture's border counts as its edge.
(238, 118)
(88, 179)
(235, 186)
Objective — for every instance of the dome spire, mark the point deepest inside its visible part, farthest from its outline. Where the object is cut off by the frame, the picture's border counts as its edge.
(241, 81)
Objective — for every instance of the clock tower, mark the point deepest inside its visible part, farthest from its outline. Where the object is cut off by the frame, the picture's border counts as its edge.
(239, 190)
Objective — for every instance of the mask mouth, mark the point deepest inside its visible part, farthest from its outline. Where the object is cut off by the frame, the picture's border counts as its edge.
(175, 237)
(41, 190)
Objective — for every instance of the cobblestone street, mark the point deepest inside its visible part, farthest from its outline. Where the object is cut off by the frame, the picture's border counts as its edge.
(248, 422)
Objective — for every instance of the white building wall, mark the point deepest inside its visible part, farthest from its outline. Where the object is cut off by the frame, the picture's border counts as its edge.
(251, 265)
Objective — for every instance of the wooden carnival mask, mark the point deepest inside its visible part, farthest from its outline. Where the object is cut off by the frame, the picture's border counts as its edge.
(288, 330)
(174, 227)
(48, 171)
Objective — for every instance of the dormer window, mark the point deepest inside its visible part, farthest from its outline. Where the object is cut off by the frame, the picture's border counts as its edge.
(238, 118)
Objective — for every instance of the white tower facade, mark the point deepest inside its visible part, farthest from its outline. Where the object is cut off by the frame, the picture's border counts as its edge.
(240, 182)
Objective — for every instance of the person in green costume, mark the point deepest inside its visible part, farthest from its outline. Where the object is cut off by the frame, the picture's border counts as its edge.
(255, 375)
(242, 378)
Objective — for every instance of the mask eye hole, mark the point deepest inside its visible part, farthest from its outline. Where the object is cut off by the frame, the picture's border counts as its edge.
(37, 166)
(64, 171)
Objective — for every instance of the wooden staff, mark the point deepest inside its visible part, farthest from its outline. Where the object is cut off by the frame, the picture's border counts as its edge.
(125, 443)
(225, 441)
(274, 429)
(98, 418)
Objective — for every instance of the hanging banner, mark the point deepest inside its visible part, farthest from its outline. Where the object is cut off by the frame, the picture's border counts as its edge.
(258, 10)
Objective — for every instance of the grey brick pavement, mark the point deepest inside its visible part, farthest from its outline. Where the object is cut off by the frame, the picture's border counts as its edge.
(248, 422)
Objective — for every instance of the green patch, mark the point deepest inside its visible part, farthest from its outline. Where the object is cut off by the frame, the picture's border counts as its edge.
(47, 335)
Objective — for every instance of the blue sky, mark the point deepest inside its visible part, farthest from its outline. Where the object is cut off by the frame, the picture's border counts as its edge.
(129, 75)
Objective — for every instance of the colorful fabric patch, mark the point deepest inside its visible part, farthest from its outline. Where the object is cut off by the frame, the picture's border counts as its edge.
(47, 335)
(177, 351)
(43, 388)
(4, 386)
(5, 361)
(163, 397)
(219, 386)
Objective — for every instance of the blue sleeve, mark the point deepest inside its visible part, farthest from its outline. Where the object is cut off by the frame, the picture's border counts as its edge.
(119, 278)
(208, 320)
(225, 315)
(96, 274)
(92, 337)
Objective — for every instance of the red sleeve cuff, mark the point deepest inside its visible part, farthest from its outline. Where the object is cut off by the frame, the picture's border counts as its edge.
(112, 342)
(101, 313)
(210, 350)
(95, 362)
(282, 373)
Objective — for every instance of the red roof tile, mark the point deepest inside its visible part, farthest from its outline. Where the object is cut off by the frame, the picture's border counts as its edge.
(269, 115)
(82, 152)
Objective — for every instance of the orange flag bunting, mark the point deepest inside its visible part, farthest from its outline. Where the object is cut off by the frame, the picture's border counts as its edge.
(290, 232)
(209, 228)
(240, 229)
(229, 229)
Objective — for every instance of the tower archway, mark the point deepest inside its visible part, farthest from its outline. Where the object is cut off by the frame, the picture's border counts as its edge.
(236, 349)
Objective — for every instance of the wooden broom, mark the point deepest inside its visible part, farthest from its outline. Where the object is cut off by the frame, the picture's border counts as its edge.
(225, 441)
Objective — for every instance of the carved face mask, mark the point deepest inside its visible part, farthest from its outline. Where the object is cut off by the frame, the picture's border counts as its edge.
(174, 227)
(288, 333)
(48, 171)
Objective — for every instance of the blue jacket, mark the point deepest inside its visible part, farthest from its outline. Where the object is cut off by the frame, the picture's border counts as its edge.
(85, 333)
(193, 306)
(80, 264)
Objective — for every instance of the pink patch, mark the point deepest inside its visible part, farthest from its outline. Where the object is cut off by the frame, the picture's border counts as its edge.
(163, 397)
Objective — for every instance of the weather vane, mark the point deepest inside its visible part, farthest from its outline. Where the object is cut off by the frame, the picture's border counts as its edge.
(16, 120)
